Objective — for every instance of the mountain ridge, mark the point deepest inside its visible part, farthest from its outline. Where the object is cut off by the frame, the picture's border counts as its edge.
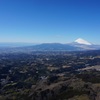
(77, 45)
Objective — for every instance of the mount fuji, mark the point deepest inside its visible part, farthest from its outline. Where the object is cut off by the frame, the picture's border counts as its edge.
(82, 44)
(82, 41)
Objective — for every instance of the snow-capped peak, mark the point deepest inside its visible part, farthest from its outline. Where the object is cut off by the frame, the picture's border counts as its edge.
(82, 41)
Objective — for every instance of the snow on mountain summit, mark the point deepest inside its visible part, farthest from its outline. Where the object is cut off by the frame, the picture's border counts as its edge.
(82, 41)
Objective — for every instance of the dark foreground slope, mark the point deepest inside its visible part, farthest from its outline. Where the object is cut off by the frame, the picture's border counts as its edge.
(50, 76)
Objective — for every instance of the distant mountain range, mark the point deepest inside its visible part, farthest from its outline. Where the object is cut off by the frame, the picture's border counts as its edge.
(77, 45)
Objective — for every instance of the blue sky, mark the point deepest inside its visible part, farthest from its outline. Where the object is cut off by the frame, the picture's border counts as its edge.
(39, 21)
